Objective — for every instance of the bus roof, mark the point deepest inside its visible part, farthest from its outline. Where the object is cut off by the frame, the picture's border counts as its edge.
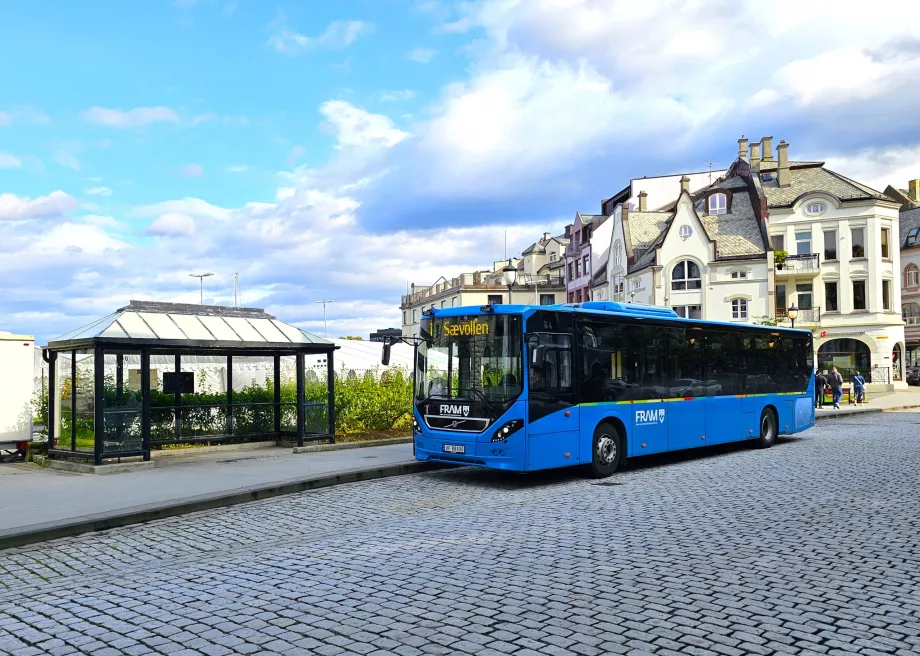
(602, 308)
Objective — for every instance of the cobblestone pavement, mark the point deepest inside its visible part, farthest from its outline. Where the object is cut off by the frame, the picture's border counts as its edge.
(809, 547)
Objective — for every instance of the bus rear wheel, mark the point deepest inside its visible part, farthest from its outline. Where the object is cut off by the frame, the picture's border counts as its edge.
(768, 429)
(607, 452)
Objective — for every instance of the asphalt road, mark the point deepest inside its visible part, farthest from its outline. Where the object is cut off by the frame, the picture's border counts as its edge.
(808, 547)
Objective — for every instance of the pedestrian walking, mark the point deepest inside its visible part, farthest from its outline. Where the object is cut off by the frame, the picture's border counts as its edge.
(820, 386)
(859, 388)
(835, 380)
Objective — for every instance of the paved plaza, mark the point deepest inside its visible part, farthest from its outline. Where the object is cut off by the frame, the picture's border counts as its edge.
(810, 547)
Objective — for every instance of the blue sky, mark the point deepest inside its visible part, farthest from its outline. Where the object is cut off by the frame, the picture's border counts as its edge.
(341, 149)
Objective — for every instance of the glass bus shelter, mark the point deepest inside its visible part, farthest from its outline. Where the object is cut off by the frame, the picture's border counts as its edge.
(154, 374)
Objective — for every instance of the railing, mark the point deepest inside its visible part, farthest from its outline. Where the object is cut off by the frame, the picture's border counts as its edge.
(808, 262)
(807, 315)
(912, 321)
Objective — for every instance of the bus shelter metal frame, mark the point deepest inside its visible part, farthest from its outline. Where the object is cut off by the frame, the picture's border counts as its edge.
(147, 347)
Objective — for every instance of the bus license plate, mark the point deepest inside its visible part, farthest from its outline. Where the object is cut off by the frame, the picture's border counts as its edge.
(454, 448)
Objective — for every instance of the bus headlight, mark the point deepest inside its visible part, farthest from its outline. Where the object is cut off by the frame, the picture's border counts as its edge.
(416, 427)
(511, 427)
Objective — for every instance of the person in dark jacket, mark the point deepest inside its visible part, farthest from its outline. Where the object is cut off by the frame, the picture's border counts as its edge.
(820, 386)
(835, 380)
(859, 388)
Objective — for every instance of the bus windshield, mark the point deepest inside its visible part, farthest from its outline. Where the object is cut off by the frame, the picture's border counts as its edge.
(475, 357)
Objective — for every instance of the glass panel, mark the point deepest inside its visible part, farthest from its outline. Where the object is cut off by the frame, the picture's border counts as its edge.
(886, 294)
(271, 333)
(162, 413)
(859, 244)
(86, 401)
(190, 325)
(859, 294)
(253, 395)
(885, 252)
(244, 329)
(830, 244)
(830, 296)
(219, 329)
(122, 404)
(289, 392)
(134, 326)
(781, 298)
(162, 325)
(315, 395)
(203, 409)
(63, 410)
(779, 242)
(297, 337)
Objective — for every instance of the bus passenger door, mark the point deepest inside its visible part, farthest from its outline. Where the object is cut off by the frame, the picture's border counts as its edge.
(686, 392)
(553, 416)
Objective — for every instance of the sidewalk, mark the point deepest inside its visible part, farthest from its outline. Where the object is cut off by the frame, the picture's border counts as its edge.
(901, 400)
(43, 504)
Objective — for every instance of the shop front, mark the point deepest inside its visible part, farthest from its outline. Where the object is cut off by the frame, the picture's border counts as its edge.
(876, 352)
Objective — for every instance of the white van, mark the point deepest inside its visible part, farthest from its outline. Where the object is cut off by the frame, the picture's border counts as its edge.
(17, 365)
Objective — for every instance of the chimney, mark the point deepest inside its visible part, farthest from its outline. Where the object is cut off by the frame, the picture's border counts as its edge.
(913, 188)
(685, 184)
(643, 203)
(742, 147)
(755, 155)
(783, 177)
(767, 145)
(545, 236)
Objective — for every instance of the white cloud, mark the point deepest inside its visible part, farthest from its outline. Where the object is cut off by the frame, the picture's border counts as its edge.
(172, 224)
(397, 96)
(422, 55)
(194, 207)
(66, 159)
(23, 115)
(99, 191)
(192, 171)
(357, 127)
(132, 118)
(338, 34)
(14, 207)
(8, 161)
(880, 167)
(239, 168)
(296, 153)
(102, 221)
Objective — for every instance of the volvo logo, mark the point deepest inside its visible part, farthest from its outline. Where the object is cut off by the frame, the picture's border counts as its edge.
(455, 410)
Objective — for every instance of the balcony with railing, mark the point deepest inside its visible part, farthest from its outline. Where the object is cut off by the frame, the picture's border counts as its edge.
(810, 316)
(800, 266)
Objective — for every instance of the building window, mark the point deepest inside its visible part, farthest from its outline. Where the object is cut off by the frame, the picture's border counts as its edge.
(616, 256)
(912, 237)
(886, 252)
(415, 316)
(830, 245)
(830, 297)
(886, 294)
(781, 300)
(571, 271)
(547, 299)
(443, 303)
(859, 294)
(635, 283)
(912, 276)
(686, 275)
(859, 242)
(739, 274)
(405, 317)
(571, 297)
(586, 235)
(578, 268)
(619, 288)
(454, 301)
(739, 308)
(553, 257)
(816, 208)
(689, 311)
(495, 299)
(803, 243)
(718, 204)
(779, 242)
(685, 232)
(910, 312)
(803, 292)
(585, 265)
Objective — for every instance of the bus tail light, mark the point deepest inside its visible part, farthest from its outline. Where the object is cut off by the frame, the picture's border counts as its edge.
(511, 427)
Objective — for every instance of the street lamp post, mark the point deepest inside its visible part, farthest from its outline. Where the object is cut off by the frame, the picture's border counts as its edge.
(793, 312)
(509, 275)
(201, 277)
(325, 332)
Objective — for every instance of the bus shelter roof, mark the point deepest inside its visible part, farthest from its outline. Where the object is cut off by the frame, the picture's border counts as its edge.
(189, 326)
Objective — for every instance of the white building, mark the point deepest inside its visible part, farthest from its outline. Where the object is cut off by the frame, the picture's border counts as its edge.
(711, 254)
(539, 282)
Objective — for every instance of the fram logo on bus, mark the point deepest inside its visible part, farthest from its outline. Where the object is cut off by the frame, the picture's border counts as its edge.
(647, 417)
(455, 410)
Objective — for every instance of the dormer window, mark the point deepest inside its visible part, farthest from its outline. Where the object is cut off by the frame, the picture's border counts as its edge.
(718, 204)
(685, 232)
(815, 208)
(912, 237)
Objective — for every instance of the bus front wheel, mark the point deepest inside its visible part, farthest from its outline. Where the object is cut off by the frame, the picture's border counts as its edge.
(607, 451)
(768, 429)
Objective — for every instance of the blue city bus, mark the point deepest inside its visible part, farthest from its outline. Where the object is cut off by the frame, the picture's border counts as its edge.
(525, 388)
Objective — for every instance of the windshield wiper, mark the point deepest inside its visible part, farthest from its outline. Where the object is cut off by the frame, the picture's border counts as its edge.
(482, 397)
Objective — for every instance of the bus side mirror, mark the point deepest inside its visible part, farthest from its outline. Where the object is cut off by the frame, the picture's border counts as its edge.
(385, 358)
(538, 354)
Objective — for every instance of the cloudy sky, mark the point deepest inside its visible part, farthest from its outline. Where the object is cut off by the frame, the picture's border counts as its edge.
(342, 149)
